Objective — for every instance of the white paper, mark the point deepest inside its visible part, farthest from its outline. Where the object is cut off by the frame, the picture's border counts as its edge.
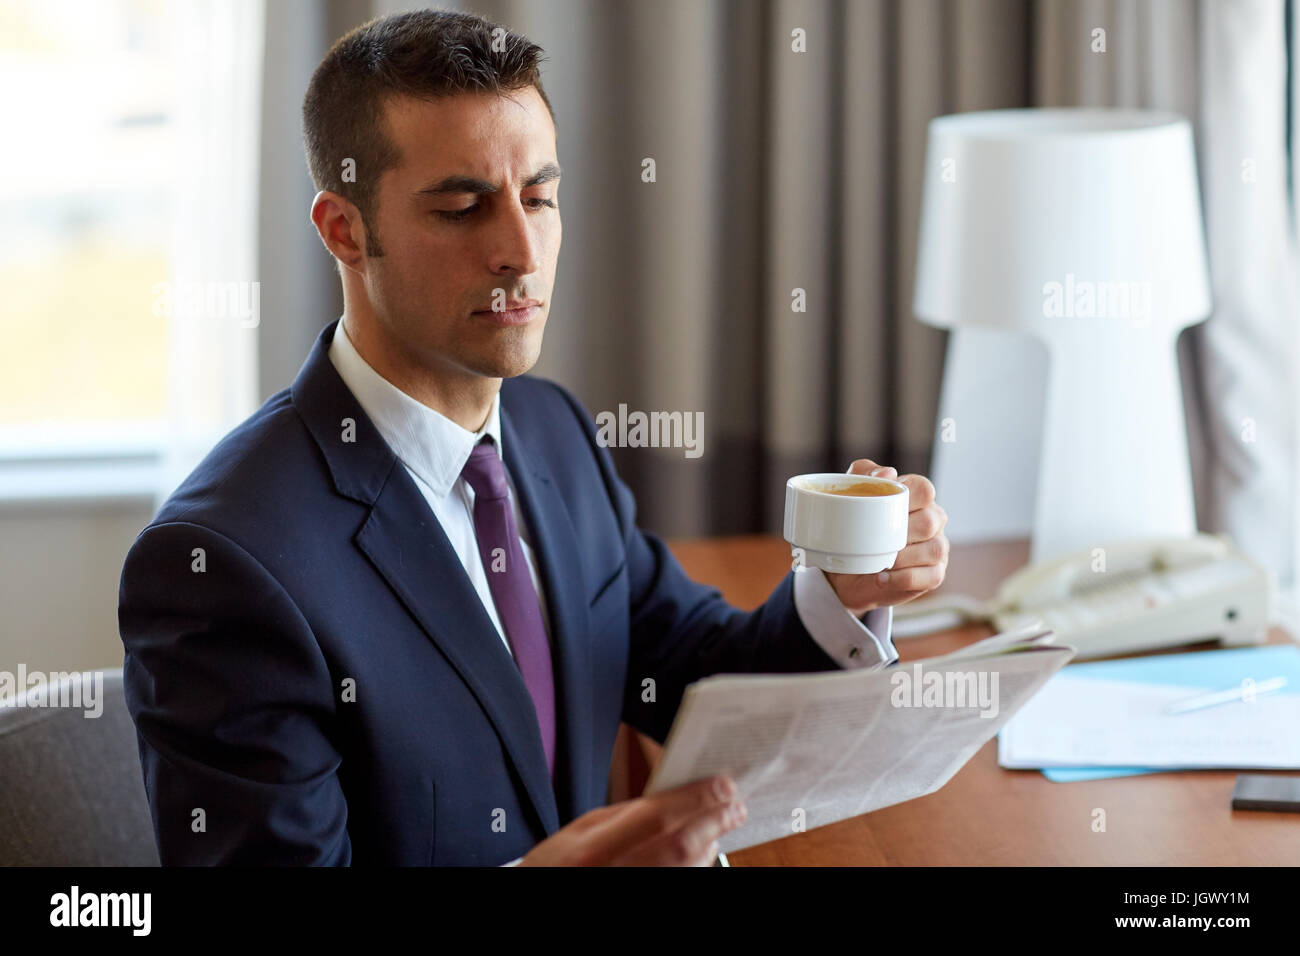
(806, 750)
(1081, 722)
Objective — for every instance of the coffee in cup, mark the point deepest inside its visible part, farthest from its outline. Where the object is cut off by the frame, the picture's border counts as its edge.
(872, 488)
(852, 524)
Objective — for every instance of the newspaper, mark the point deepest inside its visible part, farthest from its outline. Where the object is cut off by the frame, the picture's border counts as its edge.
(806, 750)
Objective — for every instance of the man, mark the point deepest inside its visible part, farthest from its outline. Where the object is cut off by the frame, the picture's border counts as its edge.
(397, 615)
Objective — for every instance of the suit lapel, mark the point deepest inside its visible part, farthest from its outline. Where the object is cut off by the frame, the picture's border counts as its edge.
(407, 545)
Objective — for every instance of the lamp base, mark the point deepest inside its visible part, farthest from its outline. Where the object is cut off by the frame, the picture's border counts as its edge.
(1115, 461)
(1072, 438)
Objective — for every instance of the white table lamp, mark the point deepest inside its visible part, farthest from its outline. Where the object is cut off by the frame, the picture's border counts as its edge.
(1083, 228)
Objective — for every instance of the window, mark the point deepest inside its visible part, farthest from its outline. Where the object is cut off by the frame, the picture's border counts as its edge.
(127, 191)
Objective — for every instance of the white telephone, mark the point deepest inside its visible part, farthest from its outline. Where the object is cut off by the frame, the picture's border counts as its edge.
(1128, 596)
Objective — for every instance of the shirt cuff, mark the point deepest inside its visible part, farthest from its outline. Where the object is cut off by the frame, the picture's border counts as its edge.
(515, 862)
(850, 642)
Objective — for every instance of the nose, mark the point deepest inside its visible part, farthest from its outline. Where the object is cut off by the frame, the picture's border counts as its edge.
(513, 243)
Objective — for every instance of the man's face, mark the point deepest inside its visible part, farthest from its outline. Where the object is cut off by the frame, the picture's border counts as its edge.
(453, 250)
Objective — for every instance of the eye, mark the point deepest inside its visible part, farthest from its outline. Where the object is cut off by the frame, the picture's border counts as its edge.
(460, 215)
(456, 215)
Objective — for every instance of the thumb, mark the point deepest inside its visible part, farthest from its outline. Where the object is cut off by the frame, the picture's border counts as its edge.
(865, 466)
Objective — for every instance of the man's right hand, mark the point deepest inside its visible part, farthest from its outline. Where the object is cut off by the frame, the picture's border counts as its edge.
(678, 827)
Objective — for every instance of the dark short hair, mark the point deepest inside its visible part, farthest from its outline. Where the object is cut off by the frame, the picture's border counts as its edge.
(423, 54)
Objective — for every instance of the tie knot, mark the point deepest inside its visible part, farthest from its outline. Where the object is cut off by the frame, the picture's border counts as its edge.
(485, 471)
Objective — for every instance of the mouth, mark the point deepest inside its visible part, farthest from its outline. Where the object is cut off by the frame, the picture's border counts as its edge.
(518, 314)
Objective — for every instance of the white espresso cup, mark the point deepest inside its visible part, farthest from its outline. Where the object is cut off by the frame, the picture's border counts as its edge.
(850, 534)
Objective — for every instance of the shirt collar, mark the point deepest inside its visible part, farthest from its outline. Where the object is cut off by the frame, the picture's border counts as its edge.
(429, 443)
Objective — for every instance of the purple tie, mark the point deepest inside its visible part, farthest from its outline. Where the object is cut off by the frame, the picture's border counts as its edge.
(511, 584)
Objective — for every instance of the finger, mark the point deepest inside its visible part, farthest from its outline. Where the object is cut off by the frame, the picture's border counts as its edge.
(595, 817)
(863, 466)
(920, 491)
(932, 551)
(905, 581)
(645, 817)
(925, 524)
(691, 844)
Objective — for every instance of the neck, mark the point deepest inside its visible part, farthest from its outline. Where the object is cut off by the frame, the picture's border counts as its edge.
(463, 397)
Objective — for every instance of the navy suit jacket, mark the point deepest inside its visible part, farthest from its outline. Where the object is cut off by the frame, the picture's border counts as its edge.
(314, 679)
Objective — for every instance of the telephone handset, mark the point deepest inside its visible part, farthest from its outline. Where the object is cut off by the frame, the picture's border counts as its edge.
(1096, 569)
(1133, 595)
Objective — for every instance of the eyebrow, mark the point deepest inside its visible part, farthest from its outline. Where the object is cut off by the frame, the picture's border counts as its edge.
(469, 184)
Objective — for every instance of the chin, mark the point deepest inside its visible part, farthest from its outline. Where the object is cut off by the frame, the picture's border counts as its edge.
(517, 358)
(510, 370)
(508, 365)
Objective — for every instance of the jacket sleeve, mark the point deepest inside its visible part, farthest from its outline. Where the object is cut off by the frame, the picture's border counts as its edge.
(233, 706)
(682, 631)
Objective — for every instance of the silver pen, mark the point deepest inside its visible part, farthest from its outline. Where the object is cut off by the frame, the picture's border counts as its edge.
(1246, 688)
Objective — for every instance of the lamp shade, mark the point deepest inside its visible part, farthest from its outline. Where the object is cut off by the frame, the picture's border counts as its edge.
(1031, 218)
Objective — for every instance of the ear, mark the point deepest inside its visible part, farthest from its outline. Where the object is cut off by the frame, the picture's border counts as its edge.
(338, 223)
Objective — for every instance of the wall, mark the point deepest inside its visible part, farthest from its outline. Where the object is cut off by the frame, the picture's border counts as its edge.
(59, 570)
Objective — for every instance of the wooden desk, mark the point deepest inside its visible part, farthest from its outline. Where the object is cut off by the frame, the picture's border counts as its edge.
(985, 814)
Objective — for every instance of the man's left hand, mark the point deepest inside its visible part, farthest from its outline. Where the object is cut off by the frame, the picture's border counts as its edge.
(919, 567)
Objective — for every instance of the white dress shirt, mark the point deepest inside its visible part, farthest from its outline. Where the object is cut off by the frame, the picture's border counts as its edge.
(434, 450)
